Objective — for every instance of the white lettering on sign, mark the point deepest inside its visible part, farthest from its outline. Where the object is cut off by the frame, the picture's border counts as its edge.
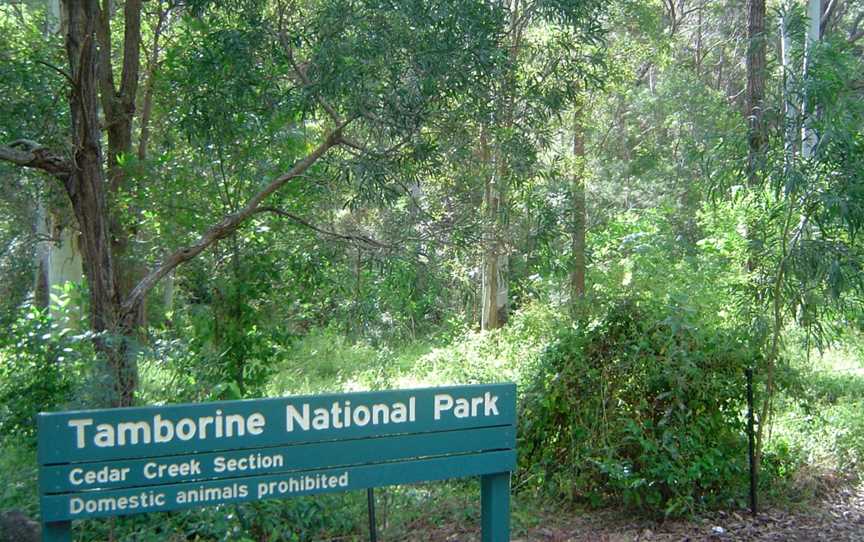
(203, 494)
(79, 426)
(302, 483)
(154, 470)
(252, 462)
(78, 476)
(162, 430)
(92, 505)
(343, 415)
(466, 407)
(340, 414)
(136, 430)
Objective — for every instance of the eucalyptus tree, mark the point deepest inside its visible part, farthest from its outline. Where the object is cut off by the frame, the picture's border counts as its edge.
(362, 77)
(546, 53)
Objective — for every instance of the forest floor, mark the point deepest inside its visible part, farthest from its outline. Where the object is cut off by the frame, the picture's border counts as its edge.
(836, 514)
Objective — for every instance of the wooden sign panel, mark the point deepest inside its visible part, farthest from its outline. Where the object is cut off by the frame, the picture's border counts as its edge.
(101, 463)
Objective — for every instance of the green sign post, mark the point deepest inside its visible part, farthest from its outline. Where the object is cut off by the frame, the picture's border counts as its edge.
(100, 463)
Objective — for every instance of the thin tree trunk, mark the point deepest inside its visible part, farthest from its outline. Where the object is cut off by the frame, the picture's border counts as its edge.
(757, 140)
(489, 274)
(42, 286)
(150, 84)
(808, 134)
(577, 188)
(698, 59)
(789, 145)
(496, 260)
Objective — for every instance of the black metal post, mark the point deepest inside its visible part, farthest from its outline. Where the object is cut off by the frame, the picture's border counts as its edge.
(373, 531)
(752, 444)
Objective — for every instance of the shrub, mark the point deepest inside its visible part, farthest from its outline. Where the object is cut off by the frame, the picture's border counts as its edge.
(39, 365)
(642, 407)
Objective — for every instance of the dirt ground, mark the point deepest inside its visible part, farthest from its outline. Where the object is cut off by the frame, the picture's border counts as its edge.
(836, 516)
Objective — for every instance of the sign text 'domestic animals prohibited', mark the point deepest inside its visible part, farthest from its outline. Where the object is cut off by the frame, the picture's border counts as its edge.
(111, 462)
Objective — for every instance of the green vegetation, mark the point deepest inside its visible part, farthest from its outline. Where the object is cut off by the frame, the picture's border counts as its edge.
(620, 206)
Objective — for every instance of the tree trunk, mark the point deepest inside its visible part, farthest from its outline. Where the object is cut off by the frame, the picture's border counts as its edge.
(808, 134)
(757, 140)
(42, 287)
(577, 188)
(789, 144)
(496, 260)
(119, 110)
(64, 261)
(150, 84)
(53, 18)
(85, 187)
(490, 315)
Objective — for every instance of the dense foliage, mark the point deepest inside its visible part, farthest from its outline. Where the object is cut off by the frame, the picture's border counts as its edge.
(644, 405)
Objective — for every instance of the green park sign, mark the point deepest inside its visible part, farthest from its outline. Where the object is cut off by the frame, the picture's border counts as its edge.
(100, 463)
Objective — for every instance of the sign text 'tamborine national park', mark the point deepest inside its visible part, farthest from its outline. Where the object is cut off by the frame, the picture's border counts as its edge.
(100, 463)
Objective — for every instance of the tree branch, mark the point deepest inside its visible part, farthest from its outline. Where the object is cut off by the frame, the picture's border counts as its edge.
(27, 153)
(303, 222)
(226, 226)
(856, 33)
(300, 71)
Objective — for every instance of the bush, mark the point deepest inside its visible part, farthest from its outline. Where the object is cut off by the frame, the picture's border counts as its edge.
(505, 354)
(39, 366)
(641, 407)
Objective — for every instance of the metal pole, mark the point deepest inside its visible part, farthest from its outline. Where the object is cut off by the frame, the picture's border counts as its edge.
(752, 442)
(370, 498)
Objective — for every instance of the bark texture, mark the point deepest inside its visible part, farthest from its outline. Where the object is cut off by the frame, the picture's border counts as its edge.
(756, 133)
(577, 189)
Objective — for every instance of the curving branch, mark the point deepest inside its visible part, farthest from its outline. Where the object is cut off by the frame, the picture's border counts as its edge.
(26, 153)
(336, 235)
(227, 225)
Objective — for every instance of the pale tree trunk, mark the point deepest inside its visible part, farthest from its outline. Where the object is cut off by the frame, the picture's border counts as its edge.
(168, 293)
(577, 190)
(58, 258)
(54, 22)
(814, 17)
(65, 264)
(789, 116)
(495, 263)
(496, 259)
